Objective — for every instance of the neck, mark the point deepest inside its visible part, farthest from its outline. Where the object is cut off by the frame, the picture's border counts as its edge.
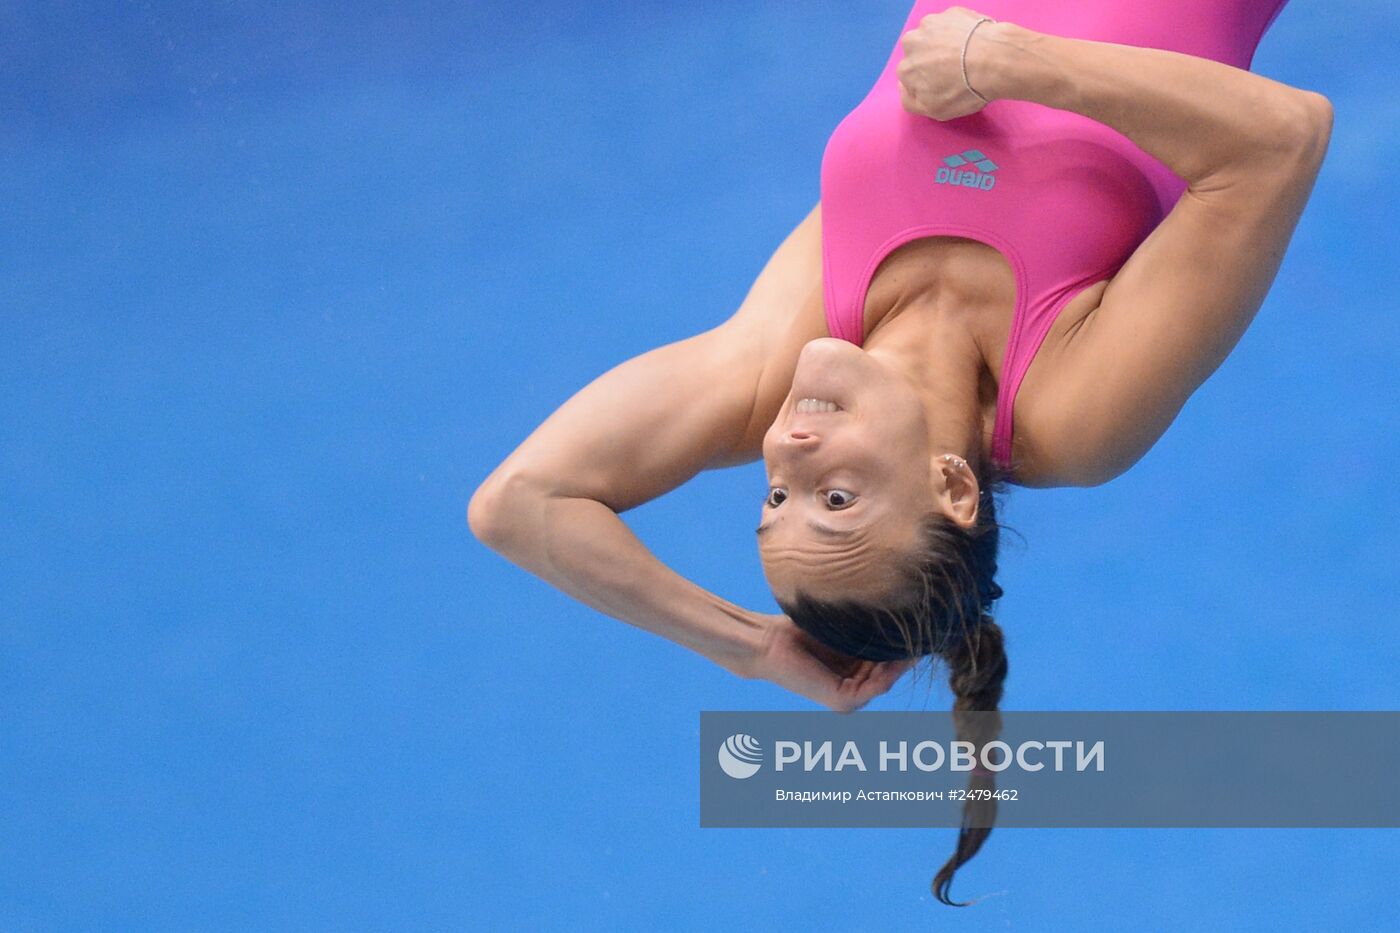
(933, 347)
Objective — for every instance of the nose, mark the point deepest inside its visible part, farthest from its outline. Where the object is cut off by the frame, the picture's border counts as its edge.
(800, 439)
(788, 443)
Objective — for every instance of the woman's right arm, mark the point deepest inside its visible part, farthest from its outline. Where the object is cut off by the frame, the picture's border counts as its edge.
(644, 428)
(637, 431)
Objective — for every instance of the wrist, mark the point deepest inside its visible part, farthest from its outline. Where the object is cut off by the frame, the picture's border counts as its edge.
(742, 650)
(1003, 60)
(761, 628)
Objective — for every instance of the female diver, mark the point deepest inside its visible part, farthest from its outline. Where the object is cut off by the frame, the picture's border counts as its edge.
(1042, 229)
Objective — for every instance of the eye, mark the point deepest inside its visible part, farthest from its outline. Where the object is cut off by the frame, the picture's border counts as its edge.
(837, 499)
(776, 497)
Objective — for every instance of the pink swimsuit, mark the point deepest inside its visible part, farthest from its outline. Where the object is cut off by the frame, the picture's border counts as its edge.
(1065, 199)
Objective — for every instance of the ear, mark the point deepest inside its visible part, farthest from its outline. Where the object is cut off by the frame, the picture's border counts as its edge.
(956, 490)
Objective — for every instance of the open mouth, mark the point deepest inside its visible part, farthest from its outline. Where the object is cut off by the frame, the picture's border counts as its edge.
(807, 406)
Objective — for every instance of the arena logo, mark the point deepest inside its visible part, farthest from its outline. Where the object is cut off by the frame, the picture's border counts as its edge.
(979, 176)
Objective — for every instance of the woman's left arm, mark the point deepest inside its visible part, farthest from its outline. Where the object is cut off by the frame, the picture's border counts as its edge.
(1249, 149)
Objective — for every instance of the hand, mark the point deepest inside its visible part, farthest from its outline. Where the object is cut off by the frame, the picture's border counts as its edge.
(930, 73)
(793, 659)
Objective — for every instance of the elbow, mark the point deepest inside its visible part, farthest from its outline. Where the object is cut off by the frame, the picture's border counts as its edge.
(507, 511)
(1303, 127)
(1095, 475)
(1086, 472)
(1083, 457)
(485, 515)
(1314, 125)
(494, 510)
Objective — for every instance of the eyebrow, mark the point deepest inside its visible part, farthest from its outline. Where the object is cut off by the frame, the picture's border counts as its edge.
(815, 526)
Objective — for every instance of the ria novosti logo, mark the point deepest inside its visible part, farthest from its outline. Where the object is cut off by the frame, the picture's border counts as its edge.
(740, 756)
(978, 176)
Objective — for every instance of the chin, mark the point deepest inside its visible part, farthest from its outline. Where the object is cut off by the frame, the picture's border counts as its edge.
(831, 369)
(829, 348)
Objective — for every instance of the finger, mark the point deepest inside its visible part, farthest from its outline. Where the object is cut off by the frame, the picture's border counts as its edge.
(845, 705)
(857, 678)
(813, 679)
(843, 694)
(853, 692)
(895, 670)
(906, 100)
(881, 680)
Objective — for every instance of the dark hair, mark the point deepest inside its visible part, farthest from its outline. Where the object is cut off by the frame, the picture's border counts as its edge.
(941, 608)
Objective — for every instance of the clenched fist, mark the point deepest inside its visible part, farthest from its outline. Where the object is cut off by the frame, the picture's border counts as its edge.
(930, 74)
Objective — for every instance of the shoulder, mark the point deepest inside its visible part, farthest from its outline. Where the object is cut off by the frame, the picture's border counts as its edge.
(1065, 433)
(759, 344)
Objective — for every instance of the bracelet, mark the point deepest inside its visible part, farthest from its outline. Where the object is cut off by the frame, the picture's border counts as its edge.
(985, 19)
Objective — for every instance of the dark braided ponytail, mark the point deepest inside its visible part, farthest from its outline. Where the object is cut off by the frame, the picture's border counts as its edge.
(941, 608)
(976, 671)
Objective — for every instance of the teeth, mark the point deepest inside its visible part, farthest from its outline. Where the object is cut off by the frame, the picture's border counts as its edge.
(809, 405)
